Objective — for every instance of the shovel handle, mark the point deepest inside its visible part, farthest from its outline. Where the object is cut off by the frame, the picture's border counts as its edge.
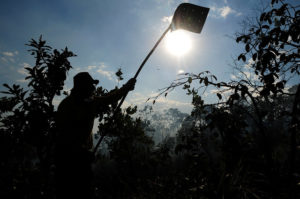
(143, 63)
(152, 50)
(135, 76)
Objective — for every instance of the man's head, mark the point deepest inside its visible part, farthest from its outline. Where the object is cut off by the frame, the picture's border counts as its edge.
(84, 84)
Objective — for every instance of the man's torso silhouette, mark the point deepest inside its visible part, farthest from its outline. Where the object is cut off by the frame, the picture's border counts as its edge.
(75, 120)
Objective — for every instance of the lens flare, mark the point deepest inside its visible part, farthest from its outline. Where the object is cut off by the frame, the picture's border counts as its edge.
(178, 42)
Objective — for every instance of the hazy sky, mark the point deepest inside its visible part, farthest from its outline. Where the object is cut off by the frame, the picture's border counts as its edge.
(111, 34)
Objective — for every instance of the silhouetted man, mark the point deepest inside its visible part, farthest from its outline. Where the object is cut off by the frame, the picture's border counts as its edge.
(75, 120)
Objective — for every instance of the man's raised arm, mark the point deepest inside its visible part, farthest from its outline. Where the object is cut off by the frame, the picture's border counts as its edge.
(115, 95)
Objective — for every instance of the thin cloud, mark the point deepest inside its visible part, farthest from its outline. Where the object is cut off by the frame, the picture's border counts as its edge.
(9, 54)
(167, 19)
(223, 12)
(247, 74)
(4, 59)
(107, 74)
(213, 91)
(249, 64)
(56, 102)
(23, 80)
(22, 70)
(8, 59)
(169, 2)
(102, 70)
(233, 76)
(91, 67)
(100, 65)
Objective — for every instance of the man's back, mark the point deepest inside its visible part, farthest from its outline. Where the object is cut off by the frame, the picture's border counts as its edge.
(75, 120)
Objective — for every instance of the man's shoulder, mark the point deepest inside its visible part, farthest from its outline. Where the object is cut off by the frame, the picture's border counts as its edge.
(71, 102)
(68, 101)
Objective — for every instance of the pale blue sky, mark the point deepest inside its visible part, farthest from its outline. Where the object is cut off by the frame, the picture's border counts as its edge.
(109, 34)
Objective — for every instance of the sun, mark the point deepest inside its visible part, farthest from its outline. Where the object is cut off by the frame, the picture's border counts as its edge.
(178, 42)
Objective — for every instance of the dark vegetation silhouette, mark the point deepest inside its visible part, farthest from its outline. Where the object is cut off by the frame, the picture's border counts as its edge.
(244, 146)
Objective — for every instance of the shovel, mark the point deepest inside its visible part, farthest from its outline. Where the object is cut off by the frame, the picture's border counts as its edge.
(188, 17)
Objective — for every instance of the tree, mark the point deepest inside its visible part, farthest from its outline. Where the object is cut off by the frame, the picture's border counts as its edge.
(27, 121)
(252, 118)
(274, 44)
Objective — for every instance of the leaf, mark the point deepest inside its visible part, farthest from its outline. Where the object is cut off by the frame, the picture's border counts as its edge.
(242, 56)
(214, 77)
(265, 26)
(5, 92)
(262, 16)
(219, 96)
(269, 21)
(282, 21)
(6, 85)
(130, 110)
(247, 47)
(282, 57)
(186, 86)
(119, 74)
(264, 42)
(246, 38)
(206, 81)
(280, 85)
(16, 87)
(257, 32)
(238, 39)
(190, 79)
(273, 1)
(254, 56)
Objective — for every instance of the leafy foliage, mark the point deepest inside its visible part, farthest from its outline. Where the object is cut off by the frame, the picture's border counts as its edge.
(273, 45)
(119, 74)
(27, 120)
(245, 145)
(248, 138)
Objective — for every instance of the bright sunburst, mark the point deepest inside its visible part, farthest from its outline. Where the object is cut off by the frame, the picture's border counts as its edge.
(178, 42)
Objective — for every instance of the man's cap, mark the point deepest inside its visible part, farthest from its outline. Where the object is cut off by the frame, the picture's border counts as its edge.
(84, 78)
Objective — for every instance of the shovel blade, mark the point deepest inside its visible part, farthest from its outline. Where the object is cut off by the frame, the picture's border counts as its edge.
(189, 17)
